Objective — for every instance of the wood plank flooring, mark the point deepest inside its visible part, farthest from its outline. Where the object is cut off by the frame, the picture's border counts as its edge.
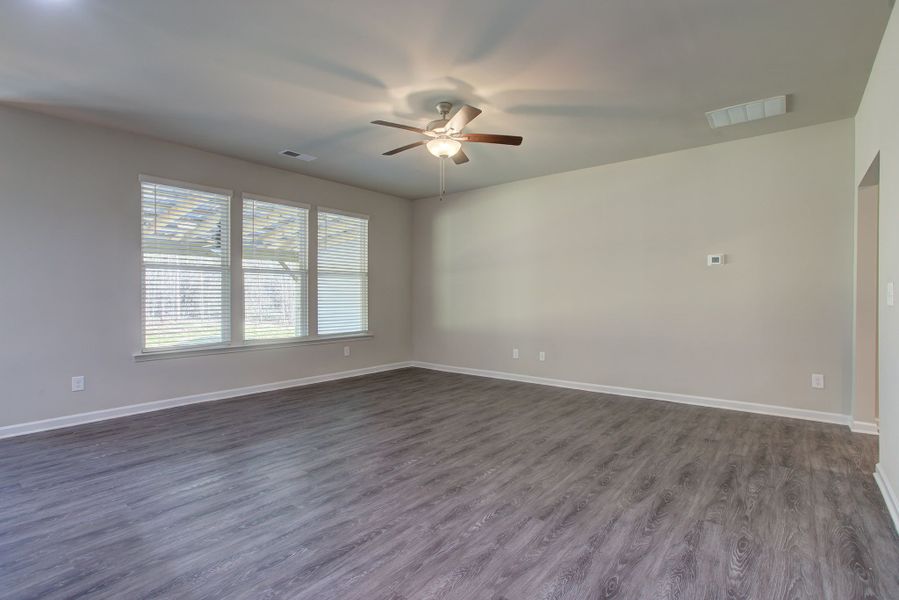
(422, 485)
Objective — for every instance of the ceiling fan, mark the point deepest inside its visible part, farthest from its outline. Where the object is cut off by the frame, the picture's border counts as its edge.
(446, 134)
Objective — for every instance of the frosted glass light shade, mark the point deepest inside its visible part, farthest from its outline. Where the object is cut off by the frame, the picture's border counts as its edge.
(443, 147)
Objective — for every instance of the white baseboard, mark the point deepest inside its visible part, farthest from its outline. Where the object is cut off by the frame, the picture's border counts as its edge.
(135, 409)
(888, 493)
(863, 427)
(752, 407)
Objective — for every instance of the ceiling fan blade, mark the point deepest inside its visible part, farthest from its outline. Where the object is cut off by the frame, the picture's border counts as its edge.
(402, 148)
(460, 158)
(399, 126)
(491, 138)
(462, 117)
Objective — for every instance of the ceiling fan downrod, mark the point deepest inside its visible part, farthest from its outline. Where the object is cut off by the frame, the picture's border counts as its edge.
(442, 177)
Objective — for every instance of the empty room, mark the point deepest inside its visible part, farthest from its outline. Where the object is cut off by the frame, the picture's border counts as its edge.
(479, 300)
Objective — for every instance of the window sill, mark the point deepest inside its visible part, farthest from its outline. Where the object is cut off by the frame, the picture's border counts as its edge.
(249, 347)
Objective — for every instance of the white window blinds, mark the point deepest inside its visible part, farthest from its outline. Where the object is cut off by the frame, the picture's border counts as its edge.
(342, 273)
(275, 269)
(185, 263)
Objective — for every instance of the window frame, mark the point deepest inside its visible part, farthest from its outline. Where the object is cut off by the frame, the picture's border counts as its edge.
(310, 213)
(367, 218)
(234, 318)
(228, 272)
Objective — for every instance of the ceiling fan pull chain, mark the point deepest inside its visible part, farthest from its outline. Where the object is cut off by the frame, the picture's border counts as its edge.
(442, 178)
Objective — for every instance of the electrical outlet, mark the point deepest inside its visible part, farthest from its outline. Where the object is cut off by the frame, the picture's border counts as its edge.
(78, 383)
(515, 353)
(346, 350)
(542, 356)
(818, 381)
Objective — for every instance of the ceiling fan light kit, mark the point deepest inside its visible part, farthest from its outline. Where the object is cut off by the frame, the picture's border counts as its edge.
(444, 147)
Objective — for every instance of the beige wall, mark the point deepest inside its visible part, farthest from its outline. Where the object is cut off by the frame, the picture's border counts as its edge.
(70, 298)
(877, 131)
(604, 270)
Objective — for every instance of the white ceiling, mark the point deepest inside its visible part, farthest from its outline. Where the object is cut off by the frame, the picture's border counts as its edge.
(586, 82)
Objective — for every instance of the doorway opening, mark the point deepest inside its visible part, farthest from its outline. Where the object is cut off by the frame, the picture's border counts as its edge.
(865, 408)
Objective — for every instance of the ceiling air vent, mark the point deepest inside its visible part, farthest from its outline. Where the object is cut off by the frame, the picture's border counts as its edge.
(298, 155)
(751, 111)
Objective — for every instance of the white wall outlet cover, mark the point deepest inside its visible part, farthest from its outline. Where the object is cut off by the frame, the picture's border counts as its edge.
(713, 260)
(346, 350)
(817, 381)
(514, 352)
(78, 383)
(543, 356)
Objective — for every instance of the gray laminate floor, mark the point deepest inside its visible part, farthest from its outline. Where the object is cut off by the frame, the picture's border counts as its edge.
(415, 484)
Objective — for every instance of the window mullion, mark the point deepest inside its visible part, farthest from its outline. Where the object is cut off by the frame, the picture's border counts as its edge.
(236, 273)
(312, 273)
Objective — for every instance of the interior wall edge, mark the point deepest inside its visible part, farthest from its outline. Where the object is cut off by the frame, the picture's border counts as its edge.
(157, 405)
(890, 497)
(737, 405)
(877, 140)
(864, 427)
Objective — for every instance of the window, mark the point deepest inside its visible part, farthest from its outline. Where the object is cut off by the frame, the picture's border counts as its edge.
(275, 269)
(187, 270)
(185, 264)
(342, 273)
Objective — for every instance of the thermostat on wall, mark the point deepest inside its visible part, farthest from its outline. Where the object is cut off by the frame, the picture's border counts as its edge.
(713, 260)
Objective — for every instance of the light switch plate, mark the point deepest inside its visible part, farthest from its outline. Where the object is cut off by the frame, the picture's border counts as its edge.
(78, 383)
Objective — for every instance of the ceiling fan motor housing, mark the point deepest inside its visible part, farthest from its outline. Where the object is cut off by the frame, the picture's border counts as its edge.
(439, 125)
